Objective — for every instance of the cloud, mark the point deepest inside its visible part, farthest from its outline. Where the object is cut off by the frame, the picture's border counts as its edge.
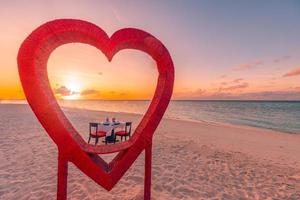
(63, 91)
(234, 87)
(258, 62)
(100, 73)
(281, 59)
(237, 80)
(244, 66)
(89, 92)
(230, 93)
(273, 95)
(292, 72)
(199, 91)
(118, 93)
(190, 94)
(263, 95)
(249, 65)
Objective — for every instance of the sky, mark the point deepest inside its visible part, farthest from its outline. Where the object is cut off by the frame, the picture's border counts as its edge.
(221, 49)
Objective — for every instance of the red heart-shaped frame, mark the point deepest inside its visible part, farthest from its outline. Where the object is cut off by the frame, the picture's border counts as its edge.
(32, 61)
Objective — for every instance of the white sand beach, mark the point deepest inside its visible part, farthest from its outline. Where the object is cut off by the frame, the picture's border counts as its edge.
(191, 160)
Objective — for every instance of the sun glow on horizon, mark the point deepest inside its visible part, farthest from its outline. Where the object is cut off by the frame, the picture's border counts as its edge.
(79, 71)
(74, 86)
(72, 97)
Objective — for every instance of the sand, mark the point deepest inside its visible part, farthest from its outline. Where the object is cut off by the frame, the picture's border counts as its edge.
(191, 160)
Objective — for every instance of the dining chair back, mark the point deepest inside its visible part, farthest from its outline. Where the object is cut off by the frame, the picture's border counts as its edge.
(126, 132)
(128, 128)
(95, 133)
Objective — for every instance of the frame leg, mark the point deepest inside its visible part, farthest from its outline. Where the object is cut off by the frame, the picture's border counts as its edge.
(62, 178)
(148, 166)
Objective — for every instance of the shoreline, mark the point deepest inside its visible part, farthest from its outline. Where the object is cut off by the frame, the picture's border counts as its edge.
(191, 120)
(223, 123)
(238, 136)
(191, 160)
(258, 142)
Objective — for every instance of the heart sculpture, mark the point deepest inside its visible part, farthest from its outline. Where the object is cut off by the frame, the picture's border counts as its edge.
(32, 61)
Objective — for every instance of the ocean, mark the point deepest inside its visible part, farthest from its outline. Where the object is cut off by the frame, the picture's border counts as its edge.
(277, 115)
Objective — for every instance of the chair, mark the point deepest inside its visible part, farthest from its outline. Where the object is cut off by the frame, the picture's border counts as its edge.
(126, 132)
(94, 133)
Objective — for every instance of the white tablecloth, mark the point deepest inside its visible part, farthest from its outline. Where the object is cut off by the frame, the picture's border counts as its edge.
(109, 127)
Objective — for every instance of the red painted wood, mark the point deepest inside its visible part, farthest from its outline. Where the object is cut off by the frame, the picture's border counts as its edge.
(32, 62)
(62, 177)
(148, 169)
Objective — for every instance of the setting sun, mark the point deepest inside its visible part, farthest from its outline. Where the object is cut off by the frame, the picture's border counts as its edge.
(80, 71)
(74, 85)
(75, 88)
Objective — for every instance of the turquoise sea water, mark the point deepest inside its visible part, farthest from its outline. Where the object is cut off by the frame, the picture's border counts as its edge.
(277, 115)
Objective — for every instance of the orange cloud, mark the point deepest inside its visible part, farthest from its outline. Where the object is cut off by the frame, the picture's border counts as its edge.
(237, 80)
(274, 95)
(89, 92)
(63, 91)
(234, 87)
(249, 65)
(293, 72)
(190, 94)
(293, 94)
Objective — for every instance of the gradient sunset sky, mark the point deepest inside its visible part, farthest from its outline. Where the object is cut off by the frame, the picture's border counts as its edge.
(221, 49)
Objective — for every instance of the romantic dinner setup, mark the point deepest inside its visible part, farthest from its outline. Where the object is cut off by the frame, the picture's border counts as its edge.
(90, 110)
(109, 130)
(32, 62)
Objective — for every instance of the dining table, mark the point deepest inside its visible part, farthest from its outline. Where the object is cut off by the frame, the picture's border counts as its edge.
(109, 129)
